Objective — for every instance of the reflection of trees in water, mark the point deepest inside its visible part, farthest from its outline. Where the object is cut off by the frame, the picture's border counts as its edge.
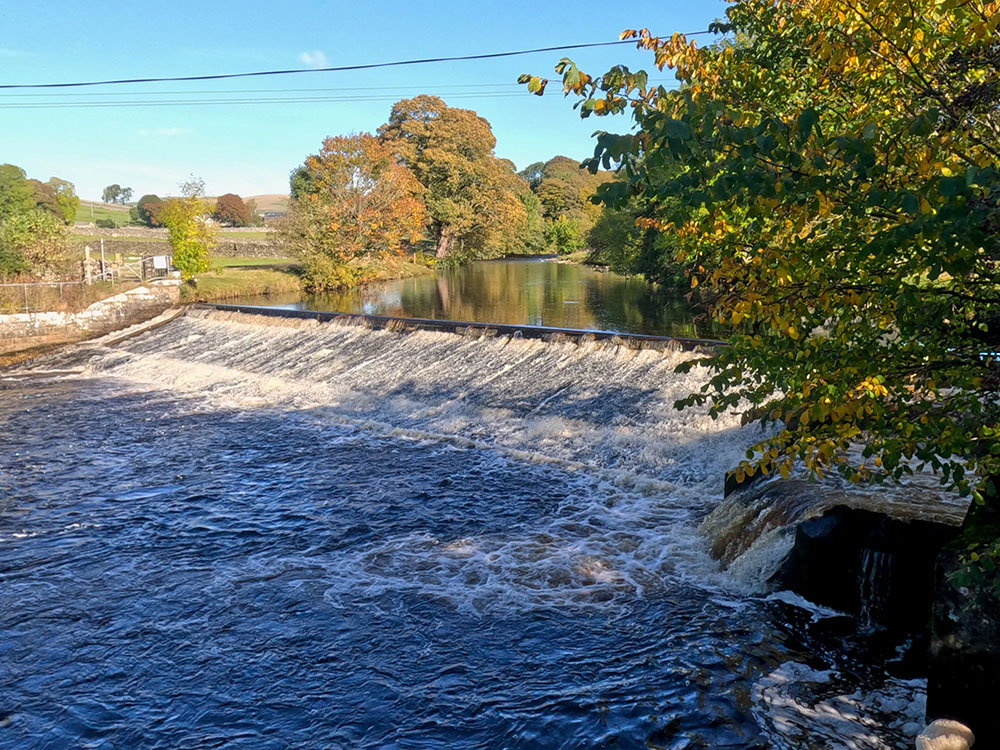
(532, 293)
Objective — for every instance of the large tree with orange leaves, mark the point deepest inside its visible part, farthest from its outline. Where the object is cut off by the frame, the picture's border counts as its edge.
(478, 207)
(351, 203)
(832, 173)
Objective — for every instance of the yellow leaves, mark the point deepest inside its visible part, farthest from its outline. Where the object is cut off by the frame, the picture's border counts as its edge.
(872, 387)
(825, 204)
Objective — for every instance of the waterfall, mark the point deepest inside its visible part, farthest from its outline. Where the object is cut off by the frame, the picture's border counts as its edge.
(875, 585)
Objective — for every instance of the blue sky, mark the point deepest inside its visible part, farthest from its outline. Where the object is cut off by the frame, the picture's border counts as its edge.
(250, 148)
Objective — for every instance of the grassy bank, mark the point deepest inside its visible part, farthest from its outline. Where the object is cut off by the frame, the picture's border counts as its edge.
(235, 281)
(243, 277)
(220, 261)
(397, 268)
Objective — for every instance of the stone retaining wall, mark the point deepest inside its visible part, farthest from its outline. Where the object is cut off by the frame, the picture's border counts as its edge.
(228, 247)
(160, 232)
(27, 330)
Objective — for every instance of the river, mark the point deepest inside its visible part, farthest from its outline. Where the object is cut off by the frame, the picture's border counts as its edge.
(239, 532)
(525, 291)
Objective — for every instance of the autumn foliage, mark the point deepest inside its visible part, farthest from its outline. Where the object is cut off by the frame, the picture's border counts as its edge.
(831, 169)
(231, 210)
(476, 204)
(352, 203)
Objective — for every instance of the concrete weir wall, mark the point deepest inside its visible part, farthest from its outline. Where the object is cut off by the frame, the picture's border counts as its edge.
(26, 330)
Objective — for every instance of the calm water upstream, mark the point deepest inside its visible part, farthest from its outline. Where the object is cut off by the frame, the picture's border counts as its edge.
(520, 291)
(229, 534)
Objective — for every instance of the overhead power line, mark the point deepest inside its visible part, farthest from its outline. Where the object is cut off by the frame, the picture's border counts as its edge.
(282, 90)
(340, 68)
(213, 101)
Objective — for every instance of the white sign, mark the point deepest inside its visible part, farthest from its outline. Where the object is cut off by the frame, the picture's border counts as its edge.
(160, 262)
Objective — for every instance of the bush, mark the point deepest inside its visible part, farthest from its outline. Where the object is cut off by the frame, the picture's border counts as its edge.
(564, 236)
(106, 223)
(39, 239)
(12, 263)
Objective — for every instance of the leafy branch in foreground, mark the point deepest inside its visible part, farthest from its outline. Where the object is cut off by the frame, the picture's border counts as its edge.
(831, 169)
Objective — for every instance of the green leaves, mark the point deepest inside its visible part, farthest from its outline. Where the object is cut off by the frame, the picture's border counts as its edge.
(536, 85)
(806, 121)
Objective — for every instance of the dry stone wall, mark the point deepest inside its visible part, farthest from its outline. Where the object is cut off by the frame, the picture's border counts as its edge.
(229, 247)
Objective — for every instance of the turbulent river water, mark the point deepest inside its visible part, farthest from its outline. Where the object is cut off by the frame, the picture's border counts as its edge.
(239, 532)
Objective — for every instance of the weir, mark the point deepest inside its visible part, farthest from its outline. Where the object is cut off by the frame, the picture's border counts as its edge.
(547, 333)
(387, 481)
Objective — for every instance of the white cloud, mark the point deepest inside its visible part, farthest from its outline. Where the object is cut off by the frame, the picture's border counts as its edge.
(314, 59)
(165, 132)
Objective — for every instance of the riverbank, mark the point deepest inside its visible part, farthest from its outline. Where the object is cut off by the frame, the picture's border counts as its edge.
(237, 277)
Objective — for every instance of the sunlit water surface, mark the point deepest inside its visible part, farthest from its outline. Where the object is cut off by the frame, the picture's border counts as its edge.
(520, 291)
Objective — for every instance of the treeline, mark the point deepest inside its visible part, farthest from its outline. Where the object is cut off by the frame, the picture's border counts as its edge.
(228, 210)
(429, 179)
(34, 217)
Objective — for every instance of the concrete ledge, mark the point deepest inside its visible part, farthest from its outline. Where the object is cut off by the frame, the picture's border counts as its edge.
(574, 335)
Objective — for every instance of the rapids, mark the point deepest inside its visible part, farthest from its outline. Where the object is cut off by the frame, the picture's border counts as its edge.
(245, 532)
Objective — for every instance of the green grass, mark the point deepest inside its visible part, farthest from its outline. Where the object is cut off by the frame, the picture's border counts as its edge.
(92, 238)
(255, 234)
(220, 261)
(227, 283)
(93, 211)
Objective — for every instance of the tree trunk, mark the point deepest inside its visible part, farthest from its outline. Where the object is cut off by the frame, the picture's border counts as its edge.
(445, 243)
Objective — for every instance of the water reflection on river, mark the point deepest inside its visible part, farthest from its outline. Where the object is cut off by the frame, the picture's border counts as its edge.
(521, 291)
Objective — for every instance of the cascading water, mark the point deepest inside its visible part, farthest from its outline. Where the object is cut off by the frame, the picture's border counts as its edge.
(875, 583)
(249, 532)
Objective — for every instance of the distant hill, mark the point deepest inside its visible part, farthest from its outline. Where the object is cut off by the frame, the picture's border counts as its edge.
(269, 202)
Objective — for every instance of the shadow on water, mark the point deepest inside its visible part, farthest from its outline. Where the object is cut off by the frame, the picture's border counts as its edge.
(524, 292)
(177, 575)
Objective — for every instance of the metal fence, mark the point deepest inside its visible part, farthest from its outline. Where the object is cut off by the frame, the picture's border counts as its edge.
(36, 296)
(109, 272)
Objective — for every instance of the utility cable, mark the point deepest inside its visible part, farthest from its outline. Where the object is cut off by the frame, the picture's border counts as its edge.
(341, 68)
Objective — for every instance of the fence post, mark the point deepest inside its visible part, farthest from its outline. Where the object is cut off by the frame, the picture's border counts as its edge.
(86, 265)
(26, 308)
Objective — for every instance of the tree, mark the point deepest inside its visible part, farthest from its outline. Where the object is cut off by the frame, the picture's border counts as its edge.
(532, 174)
(563, 236)
(33, 241)
(125, 195)
(16, 194)
(351, 201)
(471, 196)
(191, 237)
(33, 218)
(44, 197)
(565, 189)
(57, 197)
(67, 201)
(837, 193)
(112, 193)
(148, 210)
(230, 209)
